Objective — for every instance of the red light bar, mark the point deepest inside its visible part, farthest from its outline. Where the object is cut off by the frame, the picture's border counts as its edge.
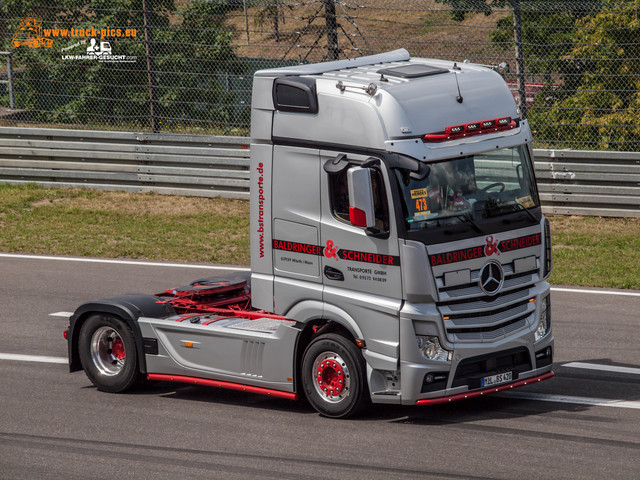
(454, 132)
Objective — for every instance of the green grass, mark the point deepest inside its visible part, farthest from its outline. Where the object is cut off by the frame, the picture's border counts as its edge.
(123, 225)
(598, 252)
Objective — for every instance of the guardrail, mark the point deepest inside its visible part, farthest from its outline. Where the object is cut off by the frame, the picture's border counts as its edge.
(571, 182)
(199, 165)
(592, 183)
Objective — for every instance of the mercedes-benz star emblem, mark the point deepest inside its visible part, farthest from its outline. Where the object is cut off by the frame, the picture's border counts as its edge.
(491, 277)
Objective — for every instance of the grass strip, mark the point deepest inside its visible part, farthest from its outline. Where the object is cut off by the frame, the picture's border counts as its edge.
(596, 251)
(95, 223)
(588, 251)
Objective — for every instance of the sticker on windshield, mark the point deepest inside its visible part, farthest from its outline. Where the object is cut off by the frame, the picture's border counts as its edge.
(422, 215)
(526, 202)
(422, 205)
(418, 193)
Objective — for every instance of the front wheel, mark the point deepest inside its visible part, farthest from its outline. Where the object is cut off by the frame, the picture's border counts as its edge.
(108, 354)
(333, 376)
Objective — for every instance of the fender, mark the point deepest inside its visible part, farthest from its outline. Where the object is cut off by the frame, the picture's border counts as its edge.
(309, 310)
(126, 307)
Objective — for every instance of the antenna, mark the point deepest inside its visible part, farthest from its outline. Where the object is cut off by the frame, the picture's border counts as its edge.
(459, 98)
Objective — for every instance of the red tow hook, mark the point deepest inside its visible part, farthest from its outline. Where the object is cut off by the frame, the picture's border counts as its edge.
(65, 333)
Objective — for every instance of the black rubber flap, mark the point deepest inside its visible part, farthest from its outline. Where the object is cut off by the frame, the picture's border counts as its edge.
(414, 70)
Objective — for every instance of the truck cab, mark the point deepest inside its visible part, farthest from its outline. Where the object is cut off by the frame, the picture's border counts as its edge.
(403, 206)
(399, 253)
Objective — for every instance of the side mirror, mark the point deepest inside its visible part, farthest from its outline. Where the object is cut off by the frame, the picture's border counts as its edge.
(361, 209)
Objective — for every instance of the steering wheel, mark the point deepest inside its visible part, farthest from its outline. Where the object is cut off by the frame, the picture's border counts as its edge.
(496, 184)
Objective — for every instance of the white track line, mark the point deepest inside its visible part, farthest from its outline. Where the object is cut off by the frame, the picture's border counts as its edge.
(596, 402)
(603, 368)
(32, 358)
(122, 262)
(246, 269)
(596, 292)
(61, 314)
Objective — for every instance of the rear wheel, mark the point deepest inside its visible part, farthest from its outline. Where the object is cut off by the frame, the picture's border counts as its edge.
(108, 354)
(333, 376)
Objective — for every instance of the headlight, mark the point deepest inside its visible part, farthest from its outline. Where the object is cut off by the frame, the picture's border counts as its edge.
(544, 322)
(431, 349)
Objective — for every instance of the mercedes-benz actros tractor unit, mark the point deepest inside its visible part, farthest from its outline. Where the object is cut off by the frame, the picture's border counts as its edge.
(399, 253)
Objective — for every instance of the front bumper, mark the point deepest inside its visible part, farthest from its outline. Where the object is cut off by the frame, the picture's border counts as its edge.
(517, 352)
(479, 393)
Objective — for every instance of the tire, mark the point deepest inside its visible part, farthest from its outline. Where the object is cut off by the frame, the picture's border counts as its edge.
(108, 354)
(333, 376)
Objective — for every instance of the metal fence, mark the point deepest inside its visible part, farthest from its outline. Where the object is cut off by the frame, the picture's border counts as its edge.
(186, 66)
(570, 182)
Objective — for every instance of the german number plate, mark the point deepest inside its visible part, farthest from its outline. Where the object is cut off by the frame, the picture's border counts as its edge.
(497, 379)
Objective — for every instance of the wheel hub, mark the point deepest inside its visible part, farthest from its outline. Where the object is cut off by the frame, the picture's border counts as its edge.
(117, 348)
(331, 377)
(107, 351)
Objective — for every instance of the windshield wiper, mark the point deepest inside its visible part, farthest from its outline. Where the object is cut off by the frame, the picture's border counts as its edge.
(467, 217)
(522, 207)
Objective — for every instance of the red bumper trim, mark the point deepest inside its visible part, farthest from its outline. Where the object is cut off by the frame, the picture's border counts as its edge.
(217, 383)
(463, 396)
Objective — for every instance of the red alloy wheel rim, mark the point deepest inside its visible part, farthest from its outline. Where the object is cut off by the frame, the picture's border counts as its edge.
(330, 377)
(332, 381)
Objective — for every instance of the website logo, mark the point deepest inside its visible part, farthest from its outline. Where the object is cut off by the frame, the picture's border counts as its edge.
(100, 50)
(30, 34)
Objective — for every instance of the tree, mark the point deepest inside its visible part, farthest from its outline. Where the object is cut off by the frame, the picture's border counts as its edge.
(547, 30)
(274, 12)
(601, 110)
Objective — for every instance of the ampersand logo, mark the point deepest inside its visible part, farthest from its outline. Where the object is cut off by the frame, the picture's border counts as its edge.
(330, 251)
(491, 247)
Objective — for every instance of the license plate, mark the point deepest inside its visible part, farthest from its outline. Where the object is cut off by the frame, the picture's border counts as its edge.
(497, 379)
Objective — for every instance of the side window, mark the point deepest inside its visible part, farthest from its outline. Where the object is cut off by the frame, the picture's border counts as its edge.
(339, 195)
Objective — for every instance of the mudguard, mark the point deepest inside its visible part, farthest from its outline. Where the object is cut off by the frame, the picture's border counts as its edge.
(126, 307)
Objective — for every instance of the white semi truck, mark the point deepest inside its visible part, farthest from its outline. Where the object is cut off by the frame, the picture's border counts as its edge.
(398, 250)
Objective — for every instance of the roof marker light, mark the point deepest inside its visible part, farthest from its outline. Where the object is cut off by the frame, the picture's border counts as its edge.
(453, 132)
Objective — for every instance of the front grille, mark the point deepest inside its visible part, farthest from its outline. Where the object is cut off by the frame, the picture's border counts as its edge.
(488, 319)
(470, 371)
(472, 316)
(512, 281)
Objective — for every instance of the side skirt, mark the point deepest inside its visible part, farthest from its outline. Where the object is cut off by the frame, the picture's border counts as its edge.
(216, 383)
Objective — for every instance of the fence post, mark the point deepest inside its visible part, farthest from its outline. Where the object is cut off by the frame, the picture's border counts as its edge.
(517, 30)
(151, 67)
(12, 101)
(9, 81)
(332, 29)
(246, 20)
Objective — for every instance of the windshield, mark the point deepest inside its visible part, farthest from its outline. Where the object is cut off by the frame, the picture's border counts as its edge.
(469, 190)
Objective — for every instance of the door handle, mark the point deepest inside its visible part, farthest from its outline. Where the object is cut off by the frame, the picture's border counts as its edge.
(333, 274)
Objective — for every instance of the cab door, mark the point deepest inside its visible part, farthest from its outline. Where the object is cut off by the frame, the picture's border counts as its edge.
(360, 272)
